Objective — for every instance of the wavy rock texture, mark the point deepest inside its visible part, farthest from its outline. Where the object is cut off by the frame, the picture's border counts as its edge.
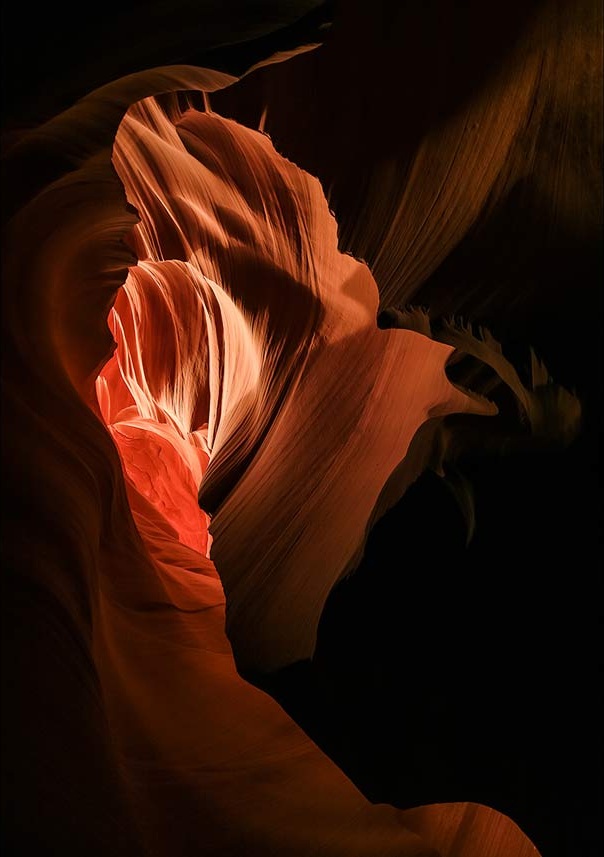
(236, 429)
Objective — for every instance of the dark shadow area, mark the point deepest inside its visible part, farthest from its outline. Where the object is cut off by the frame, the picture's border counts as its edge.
(56, 55)
(446, 673)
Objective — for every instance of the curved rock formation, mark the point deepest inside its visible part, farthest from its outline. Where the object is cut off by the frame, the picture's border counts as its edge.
(235, 429)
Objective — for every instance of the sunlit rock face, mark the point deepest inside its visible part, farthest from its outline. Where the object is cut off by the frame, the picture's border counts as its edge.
(206, 420)
(259, 349)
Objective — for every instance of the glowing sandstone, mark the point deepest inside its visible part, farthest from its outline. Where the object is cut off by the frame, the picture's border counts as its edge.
(248, 365)
(263, 339)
